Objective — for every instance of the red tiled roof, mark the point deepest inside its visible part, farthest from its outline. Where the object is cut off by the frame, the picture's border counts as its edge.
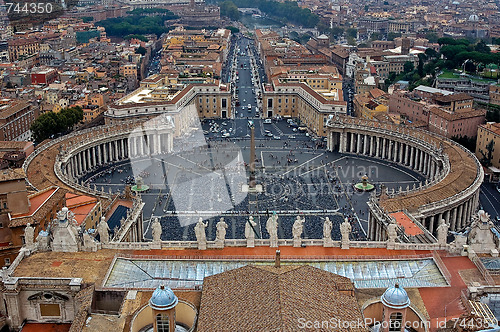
(36, 201)
(404, 221)
(45, 327)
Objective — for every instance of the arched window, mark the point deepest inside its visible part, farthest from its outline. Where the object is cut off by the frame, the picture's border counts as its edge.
(162, 323)
(395, 322)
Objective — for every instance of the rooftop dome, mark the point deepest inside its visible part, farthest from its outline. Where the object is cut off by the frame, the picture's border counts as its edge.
(323, 36)
(163, 298)
(395, 297)
(473, 18)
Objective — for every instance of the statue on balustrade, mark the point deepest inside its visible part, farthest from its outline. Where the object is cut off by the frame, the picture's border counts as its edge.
(199, 231)
(345, 230)
(103, 231)
(156, 230)
(220, 233)
(327, 233)
(392, 232)
(29, 236)
(481, 236)
(297, 229)
(442, 232)
(272, 229)
(250, 232)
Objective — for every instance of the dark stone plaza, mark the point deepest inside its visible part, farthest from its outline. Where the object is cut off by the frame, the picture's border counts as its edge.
(206, 176)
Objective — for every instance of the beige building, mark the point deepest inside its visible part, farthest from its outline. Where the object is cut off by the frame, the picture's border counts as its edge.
(300, 100)
(487, 133)
(129, 70)
(370, 104)
(185, 104)
(495, 94)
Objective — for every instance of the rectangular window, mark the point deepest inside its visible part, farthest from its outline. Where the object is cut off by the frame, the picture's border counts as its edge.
(224, 103)
(6, 261)
(270, 102)
(50, 310)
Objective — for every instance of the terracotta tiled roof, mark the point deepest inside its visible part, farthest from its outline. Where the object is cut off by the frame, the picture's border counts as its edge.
(457, 115)
(265, 298)
(12, 174)
(453, 97)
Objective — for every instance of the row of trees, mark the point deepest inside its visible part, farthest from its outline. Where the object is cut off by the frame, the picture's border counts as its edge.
(50, 124)
(138, 24)
(285, 12)
(229, 9)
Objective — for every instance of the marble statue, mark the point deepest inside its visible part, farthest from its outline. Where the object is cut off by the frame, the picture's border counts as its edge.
(103, 230)
(43, 241)
(220, 233)
(199, 231)
(89, 243)
(249, 232)
(345, 230)
(392, 232)
(442, 232)
(272, 229)
(29, 236)
(156, 230)
(327, 233)
(297, 229)
(481, 238)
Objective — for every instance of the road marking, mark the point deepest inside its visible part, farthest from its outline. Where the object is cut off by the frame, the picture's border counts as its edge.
(308, 161)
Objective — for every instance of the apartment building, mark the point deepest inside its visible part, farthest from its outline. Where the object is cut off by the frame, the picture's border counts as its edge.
(16, 118)
(487, 133)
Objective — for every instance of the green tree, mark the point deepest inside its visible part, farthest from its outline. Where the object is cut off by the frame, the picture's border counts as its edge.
(351, 32)
(139, 37)
(336, 31)
(230, 10)
(468, 142)
(408, 67)
(488, 154)
(481, 47)
(233, 29)
(432, 37)
(431, 53)
(50, 124)
(141, 50)
(87, 19)
(392, 35)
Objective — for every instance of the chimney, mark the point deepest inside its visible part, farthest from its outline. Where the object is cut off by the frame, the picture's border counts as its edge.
(277, 259)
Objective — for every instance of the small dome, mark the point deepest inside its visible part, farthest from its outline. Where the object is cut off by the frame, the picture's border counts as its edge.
(163, 298)
(395, 297)
(323, 36)
(473, 18)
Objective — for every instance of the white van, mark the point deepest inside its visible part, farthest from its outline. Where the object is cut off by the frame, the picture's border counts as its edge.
(267, 121)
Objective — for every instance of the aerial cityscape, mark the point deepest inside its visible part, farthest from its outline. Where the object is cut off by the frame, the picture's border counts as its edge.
(249, 166)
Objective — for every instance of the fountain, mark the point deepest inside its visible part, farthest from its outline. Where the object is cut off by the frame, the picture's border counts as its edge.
(364, 185)
(139, 185)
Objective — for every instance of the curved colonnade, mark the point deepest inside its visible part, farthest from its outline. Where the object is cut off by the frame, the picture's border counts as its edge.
(66, 159)
(453, 174)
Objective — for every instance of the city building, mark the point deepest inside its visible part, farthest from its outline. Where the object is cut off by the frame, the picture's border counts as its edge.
(43, 76)
(370, 104)
(299, 100)
(488, 143)
(446, 113)
(22, 47)
(495, 94)
(16, 118)
(156, 97)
